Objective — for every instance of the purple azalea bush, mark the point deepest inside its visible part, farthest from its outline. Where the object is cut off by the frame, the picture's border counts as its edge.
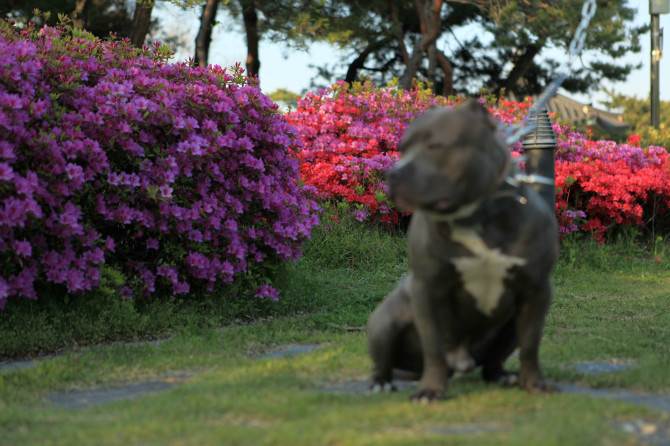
(177, 178)
(577, 147)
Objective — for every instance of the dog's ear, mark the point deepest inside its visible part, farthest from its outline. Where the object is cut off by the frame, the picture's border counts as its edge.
(474, 105)
(479, 108)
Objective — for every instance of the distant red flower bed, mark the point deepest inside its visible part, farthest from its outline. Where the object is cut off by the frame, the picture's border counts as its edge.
(350, 136)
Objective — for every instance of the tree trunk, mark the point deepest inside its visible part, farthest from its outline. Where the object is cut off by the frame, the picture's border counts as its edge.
(251, 27)
(141, 22)
(432, 65)
(79, 15)
(429, 17)
(447, 69)
(204, 37)
(521, 66)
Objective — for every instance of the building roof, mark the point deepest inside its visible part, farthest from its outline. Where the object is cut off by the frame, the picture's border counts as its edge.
(585, 116)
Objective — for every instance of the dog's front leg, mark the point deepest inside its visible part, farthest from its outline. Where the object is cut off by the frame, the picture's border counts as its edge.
(424, 302)
(529, 325)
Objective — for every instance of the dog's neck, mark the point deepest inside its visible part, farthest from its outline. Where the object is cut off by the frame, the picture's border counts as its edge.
(462, 213)
(467, 212)
(511, 184)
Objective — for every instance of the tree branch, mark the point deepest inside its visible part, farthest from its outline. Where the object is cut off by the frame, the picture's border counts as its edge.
(521, 66)
(359, 61)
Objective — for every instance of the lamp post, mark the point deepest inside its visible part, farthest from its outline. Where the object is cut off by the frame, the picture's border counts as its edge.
(656, 7)
(539, 146)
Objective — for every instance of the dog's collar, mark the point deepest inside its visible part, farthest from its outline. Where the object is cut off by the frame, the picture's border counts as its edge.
(462, 213)
(468, 210)
(510, 185)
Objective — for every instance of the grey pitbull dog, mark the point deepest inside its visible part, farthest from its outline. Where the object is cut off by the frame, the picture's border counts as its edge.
(481, 250)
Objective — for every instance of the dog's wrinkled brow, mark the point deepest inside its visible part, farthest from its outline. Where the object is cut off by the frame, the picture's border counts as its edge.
(404, 144)
(427, 136)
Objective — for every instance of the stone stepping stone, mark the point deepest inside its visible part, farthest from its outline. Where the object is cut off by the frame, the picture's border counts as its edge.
(290, 350)
(601, 367)
(86, 398)
(658, 401)
(654, 433)
(80, 399)
(8, 366)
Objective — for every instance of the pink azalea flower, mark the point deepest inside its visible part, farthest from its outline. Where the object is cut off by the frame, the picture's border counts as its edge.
(165, 191)
(6, 172)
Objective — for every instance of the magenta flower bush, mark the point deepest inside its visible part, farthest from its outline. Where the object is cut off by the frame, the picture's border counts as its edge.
(350, 135)
(605, 185)
(576, 147)
(177, 177)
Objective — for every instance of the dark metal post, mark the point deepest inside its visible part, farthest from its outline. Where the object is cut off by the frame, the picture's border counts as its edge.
(655, 71)
(656, 7)
(539, 147)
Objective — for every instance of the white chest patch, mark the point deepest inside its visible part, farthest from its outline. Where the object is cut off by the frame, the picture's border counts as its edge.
(484, 272)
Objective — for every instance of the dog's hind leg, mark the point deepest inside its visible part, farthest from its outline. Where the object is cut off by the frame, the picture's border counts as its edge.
(392, 340)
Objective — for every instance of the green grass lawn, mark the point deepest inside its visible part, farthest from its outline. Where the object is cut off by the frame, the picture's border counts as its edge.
(611, 304)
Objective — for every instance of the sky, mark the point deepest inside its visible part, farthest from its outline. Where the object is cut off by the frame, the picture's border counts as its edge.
(286, 68)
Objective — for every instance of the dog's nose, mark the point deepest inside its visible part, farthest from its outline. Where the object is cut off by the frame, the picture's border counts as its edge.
(391, 174)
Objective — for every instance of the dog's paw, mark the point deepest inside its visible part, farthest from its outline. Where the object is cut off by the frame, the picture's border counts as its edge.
(427, 396)
(380, 387)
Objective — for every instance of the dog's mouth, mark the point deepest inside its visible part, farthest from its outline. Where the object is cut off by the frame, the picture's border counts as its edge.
(442, 205)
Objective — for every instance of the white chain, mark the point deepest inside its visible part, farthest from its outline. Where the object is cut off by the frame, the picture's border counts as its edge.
(514, 133)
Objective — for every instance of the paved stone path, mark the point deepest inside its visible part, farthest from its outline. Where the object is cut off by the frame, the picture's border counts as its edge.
(6, 366)
(648, 433)
(600, 367)
(289, 351)
(84, 398)
(79, 399)
(660, 402)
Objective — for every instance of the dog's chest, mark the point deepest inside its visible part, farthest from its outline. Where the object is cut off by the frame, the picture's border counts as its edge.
(484, 272)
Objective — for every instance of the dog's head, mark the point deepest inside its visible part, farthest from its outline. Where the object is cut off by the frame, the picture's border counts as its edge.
(451, 158)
